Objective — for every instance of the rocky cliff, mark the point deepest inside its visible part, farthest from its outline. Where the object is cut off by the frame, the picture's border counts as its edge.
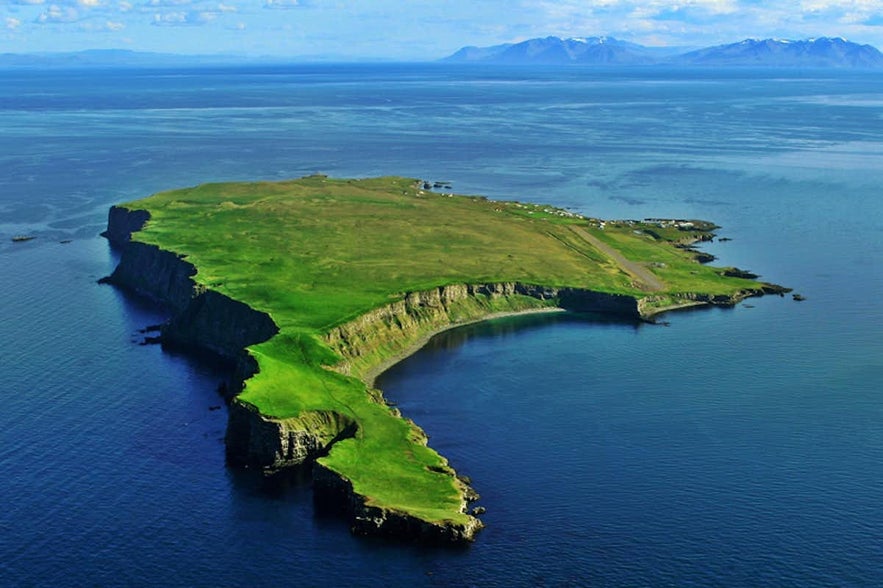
(218, 324)
(122, 222)
(146, 269)
(202, 319)
(154, 273)
(256, 440)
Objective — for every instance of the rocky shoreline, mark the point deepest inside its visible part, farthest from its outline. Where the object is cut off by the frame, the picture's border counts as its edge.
(335, 490)
(207, 321)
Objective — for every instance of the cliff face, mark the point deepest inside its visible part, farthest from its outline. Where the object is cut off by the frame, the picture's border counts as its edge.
(159, 275)
(122, 222)
(256, 440)
(208, 321)
(219, 324)
(202, 318)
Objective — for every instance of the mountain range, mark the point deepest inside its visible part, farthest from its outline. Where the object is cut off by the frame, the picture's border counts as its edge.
(810, 53)
(821, 52)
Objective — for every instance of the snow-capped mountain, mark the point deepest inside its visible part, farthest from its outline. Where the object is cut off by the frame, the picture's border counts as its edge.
(822, 52)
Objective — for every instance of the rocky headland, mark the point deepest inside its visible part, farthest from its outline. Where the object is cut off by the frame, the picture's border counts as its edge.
(206, 321)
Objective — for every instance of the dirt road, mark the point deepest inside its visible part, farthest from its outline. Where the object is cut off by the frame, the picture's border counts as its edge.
(643, 276)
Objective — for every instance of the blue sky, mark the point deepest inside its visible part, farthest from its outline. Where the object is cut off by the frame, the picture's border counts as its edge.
(412, 29)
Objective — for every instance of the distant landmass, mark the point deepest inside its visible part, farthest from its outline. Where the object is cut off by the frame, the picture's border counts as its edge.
(101, 58)
(824, 52)
(108, 58)
(821, 52)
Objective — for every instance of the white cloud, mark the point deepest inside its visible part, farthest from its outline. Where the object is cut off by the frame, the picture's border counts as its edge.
(160, 3)
(839, 5)
(102, 27)
(283, 4)
(697, 22)
(846, 12)
(184, 19)
(170, 19)
(562, 9)
(12, 23)
(59, 14)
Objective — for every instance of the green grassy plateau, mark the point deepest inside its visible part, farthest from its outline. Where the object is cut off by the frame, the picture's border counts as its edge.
(315, 253)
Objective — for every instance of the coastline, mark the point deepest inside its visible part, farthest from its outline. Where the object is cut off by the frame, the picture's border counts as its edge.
(346, 428)
(370, 376)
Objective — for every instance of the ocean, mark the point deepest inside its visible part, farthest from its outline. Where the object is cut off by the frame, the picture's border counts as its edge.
(726, 447)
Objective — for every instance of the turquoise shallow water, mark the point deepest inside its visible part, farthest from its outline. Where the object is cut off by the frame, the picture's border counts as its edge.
(732, 447)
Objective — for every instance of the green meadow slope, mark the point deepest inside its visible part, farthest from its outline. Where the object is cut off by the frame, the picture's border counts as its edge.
(317, 253)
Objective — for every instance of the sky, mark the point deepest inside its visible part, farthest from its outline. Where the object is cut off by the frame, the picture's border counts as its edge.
(413, 29)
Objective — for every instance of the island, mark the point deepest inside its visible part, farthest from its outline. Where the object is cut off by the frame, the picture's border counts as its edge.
(309, 288)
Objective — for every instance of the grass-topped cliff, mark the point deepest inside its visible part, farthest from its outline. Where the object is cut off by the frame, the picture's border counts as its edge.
(353, 272)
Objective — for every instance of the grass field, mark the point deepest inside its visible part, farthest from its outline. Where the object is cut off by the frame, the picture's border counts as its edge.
(317, 252)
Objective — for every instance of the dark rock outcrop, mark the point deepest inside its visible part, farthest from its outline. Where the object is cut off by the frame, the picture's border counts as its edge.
(122, 222)
(734, 272)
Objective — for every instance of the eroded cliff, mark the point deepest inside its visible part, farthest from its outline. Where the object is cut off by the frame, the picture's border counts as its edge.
(256, 440)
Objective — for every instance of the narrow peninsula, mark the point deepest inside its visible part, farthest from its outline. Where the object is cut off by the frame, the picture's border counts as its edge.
(308, 287)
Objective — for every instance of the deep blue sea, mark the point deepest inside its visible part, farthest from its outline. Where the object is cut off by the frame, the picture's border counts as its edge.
(738, 447)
